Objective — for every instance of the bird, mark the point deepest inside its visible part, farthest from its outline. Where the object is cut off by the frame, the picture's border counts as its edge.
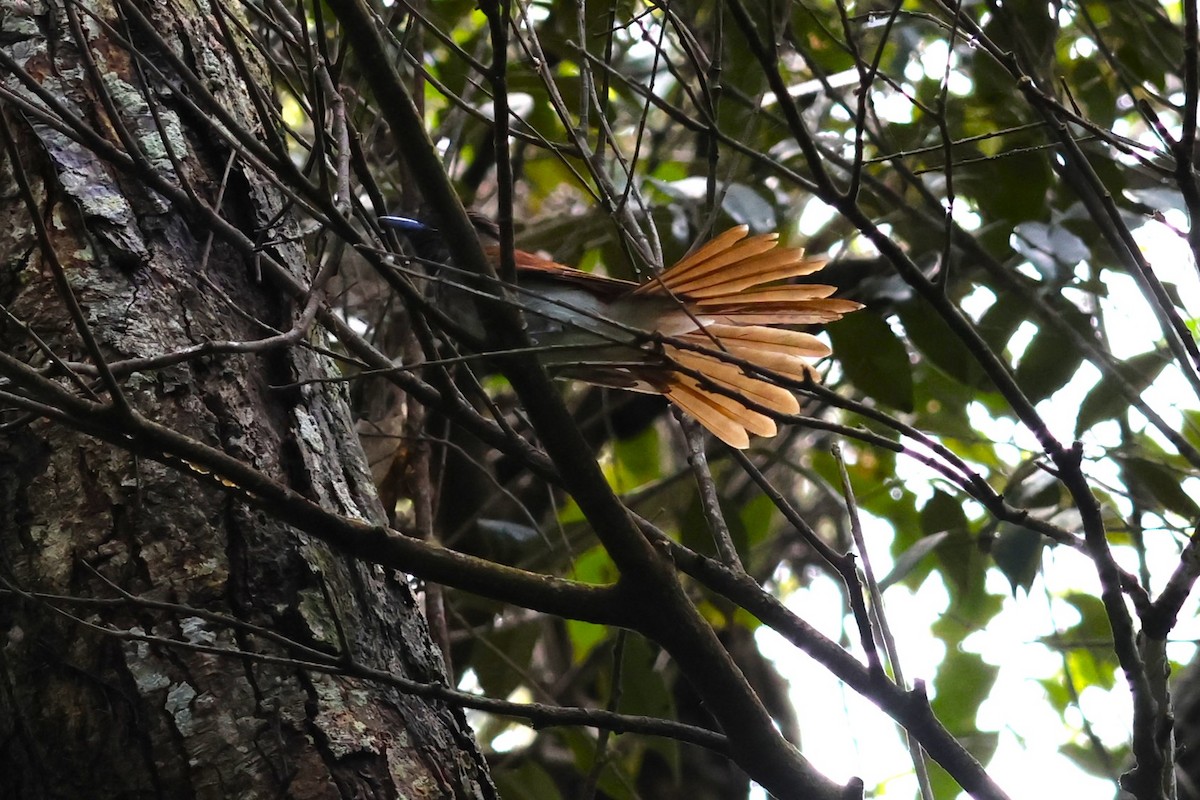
(707, 333)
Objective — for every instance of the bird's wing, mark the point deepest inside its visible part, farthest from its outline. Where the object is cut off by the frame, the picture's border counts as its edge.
(533, 266)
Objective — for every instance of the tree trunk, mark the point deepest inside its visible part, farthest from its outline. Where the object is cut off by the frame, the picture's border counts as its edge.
(125, 583)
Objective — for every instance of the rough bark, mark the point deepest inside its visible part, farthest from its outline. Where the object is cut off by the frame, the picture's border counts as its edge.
(1186, 708)
(88, 713)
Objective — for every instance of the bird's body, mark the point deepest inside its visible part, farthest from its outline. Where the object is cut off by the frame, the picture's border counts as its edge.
(686, 334)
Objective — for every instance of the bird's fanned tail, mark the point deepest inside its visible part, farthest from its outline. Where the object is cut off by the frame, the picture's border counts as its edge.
(725, 306)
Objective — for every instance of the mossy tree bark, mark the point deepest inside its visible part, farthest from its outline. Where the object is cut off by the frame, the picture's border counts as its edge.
(105, 556)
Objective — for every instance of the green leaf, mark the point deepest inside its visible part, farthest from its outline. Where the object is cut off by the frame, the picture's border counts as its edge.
(1001, 320)
(1156, 486)
(941, 405)
(1105, 401)
(1052, 249)
(637, 460)
(1014, 188)
(932, 337)
(970, 609)
(1089, 668)
(527, 781)
(594, 566)
(942, 513)
(615, 781)
(945, 530)
(493, 657)
(962, 682)
(1029, 487)
(1017, 551)
(643, 688)
(585, 637)
(1049, 361)
(1060, 699)
(909, 559)
(1191, 427)
(1093, 625)
(747, 207)
(1103, 766)
(874, 358)
(756, 517)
